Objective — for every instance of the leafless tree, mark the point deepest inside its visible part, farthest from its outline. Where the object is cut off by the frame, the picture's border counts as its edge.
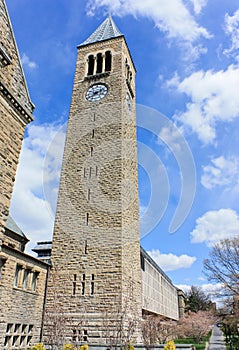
(121, 323)
(223, 265)
(54, 319)
(157, 330)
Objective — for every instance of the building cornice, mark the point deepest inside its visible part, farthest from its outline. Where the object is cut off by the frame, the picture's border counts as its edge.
(24, 115)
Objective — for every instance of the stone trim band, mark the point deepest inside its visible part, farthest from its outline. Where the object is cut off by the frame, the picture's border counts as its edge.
(23, 114)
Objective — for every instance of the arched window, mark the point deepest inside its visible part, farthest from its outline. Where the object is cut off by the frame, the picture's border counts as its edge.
(99, 59)
(91, 63)
(108, 61)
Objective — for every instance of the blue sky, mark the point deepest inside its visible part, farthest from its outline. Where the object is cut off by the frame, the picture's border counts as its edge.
(187, 59)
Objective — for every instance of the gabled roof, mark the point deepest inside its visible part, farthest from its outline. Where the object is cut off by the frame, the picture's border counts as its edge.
(106, 30)
(12, 226)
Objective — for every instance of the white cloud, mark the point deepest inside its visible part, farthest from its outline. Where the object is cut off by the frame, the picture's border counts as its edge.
(214, 226)
(232, 30)
(27, 62)
(29, 206)
(198, 5)
(207, 288)
(214, 99)
(171, 17)
(171, 262)
(221, 172)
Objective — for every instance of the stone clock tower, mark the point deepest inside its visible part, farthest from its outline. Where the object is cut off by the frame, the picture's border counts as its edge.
(95, 283)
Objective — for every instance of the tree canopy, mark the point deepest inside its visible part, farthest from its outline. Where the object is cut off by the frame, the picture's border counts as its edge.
(197, 300)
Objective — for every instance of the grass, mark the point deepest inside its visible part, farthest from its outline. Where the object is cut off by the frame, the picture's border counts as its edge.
(200, 346)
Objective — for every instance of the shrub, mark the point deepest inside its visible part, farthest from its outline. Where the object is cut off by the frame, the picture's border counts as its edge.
(69, 347)
(170, 345)
(84, 347)
(38, 346)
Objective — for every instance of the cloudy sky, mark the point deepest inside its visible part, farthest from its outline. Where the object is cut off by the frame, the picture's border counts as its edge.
(187, 57)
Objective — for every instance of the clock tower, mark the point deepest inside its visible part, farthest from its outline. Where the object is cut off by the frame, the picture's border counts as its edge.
(95, 283)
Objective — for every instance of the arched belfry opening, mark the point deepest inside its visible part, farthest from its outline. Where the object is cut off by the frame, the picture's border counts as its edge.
(99, 62)
(91, 65)
(108, 61)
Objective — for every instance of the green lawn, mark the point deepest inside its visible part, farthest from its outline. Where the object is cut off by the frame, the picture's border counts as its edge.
(200, 346)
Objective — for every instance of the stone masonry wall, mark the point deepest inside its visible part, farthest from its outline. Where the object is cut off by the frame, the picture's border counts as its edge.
(21, 304)
(15, 111)
(96, 236)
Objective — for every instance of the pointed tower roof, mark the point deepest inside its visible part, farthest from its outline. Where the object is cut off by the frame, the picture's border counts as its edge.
(106, 30)
(12, 226)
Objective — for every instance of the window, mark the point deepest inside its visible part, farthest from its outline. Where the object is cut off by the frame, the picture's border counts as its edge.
(17, 275)
(17, 327)
(86, 247)
(92, 290)
(2, 263)
(108, 61)
(74, 336)
(83, 285)
(87, 219)
(91, 151)
(99, 62)
(93, 133)
(18, 335)
(22, 340)
(85, 336)
(91, 64)
(25, 278)
(9, 327)
(7, 340)
(34, 281)
(74, 285)
(14, 340)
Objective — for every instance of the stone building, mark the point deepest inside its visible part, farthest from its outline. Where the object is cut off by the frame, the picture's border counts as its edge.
(103, 279)
(22, 291)
(22, 277)
(15, 112)
(96, 254)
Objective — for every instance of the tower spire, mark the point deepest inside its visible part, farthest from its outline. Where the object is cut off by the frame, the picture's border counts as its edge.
(107, 30)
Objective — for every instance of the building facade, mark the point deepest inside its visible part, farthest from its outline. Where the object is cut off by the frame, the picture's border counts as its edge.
(15, 112)
(22, 291)
(22, 277)
(96, 248)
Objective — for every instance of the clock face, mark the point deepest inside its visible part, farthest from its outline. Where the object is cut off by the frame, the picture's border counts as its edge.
(96, 92)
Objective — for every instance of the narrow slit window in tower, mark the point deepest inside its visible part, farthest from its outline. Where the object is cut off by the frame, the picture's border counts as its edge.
(108, 61)
(99, 63)
(93, 134)
(91, 151)
(85, 336)
(91, 63)
(88, 195)
(83, 285)
(74, 285)
(87, 219)
(92, 284)
(86, 247)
